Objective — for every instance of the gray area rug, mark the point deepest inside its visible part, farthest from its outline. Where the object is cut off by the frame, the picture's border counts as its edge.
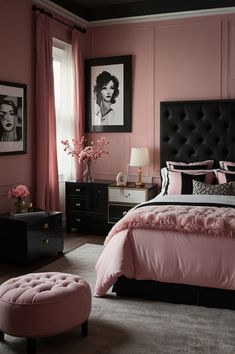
(134, 326)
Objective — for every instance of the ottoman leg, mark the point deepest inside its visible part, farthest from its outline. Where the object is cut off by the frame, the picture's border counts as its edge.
(1, 336)
(84, 327)
(31, 345)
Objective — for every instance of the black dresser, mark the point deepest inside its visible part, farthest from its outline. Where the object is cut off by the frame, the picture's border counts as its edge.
(29, 238)
(87, 206)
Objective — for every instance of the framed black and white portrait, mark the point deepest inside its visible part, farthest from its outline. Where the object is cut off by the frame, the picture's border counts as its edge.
(13, 113)
(108, 103)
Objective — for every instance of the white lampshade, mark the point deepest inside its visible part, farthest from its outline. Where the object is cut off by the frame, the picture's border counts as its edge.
(139, 157)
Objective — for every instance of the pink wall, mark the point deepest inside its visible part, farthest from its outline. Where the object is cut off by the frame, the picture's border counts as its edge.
(177, 59)
(172, 60)
(16, 65)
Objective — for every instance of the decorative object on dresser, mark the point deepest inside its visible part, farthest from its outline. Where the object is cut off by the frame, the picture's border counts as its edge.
(86, 153)
(139, 158)
(121, 179)
(28, 237)
(122, 199)
(19, 193)
(86, 206)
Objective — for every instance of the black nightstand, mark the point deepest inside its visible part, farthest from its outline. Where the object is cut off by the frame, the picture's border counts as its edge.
(28, 238)
(87, 206)
(122, 199)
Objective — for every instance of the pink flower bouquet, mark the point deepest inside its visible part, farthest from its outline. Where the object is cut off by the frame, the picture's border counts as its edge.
(18, 192)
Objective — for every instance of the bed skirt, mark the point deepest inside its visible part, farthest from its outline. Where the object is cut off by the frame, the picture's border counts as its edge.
(175, 293)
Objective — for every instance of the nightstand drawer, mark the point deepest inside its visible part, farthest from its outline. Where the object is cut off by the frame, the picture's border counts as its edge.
(117, 211)
(125, 195)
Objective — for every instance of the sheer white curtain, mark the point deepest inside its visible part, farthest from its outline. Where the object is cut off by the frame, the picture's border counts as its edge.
(64, 102)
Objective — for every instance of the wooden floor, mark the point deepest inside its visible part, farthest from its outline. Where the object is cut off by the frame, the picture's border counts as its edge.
(71, 241)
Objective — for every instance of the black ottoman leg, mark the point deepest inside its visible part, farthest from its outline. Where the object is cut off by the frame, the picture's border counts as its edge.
(1, 336)
(31, 345)
(84, 327)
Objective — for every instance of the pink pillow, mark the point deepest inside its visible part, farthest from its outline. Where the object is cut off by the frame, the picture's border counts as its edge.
(181, 182)
(223, 176)
(227, 165)
(200, 165)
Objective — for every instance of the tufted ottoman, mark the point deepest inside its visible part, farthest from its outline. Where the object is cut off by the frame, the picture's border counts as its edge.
(43, 304)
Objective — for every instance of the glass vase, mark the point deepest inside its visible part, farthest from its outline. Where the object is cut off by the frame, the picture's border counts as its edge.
(87, 177)
(19, 205)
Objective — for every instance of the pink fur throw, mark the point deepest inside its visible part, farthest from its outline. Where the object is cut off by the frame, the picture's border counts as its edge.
(213, 221)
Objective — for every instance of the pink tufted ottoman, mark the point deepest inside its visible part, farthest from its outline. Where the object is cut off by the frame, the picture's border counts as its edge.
(43, 304)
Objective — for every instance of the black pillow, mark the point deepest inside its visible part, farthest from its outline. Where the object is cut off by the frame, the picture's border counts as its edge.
(187, 182)
(190, 167)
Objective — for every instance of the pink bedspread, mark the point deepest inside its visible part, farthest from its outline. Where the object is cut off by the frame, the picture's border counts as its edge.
(155, 250)
(213, 221)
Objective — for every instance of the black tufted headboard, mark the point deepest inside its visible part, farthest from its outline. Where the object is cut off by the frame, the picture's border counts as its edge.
(197, 130)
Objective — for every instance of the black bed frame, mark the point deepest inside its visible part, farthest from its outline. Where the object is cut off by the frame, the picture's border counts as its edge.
(190, 131)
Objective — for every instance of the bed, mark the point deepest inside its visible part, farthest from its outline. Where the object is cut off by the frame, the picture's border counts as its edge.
(179, 247)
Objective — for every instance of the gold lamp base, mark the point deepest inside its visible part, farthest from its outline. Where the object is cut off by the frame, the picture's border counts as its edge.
(139, 183)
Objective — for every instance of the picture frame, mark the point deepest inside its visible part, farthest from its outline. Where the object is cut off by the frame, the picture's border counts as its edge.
(108, 94)
(13, 118)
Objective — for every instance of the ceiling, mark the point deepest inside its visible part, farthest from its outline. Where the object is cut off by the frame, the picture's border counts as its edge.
(96, 10)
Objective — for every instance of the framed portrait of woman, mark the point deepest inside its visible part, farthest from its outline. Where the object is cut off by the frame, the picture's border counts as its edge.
(13, 112)
(108, 85)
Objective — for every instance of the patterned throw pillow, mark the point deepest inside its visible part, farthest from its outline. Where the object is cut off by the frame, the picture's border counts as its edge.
(215, 189)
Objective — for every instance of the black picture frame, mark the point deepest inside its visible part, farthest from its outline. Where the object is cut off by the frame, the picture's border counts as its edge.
(114, 113)
(13, 118)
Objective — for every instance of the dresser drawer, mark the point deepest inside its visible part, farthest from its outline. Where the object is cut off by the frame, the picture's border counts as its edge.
(86, 189)
(125, 195)
(83, 204)
(88, 223)
(44, 246)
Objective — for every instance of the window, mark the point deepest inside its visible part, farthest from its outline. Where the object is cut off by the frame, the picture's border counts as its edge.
(63, 89)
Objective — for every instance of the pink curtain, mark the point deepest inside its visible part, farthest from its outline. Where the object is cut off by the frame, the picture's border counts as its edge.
(78, 91)
(47, 188)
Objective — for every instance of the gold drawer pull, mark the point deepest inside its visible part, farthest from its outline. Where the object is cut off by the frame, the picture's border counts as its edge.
(46, 241)
(78, 190)
(78, 220)
(46, 226)
(78, 204)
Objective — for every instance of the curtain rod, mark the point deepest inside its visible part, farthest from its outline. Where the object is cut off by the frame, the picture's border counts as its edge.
(42, 11)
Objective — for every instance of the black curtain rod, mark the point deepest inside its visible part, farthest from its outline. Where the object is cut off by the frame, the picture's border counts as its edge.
(42, 11)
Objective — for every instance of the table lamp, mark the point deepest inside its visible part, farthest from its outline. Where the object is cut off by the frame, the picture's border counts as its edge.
(139, 158)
